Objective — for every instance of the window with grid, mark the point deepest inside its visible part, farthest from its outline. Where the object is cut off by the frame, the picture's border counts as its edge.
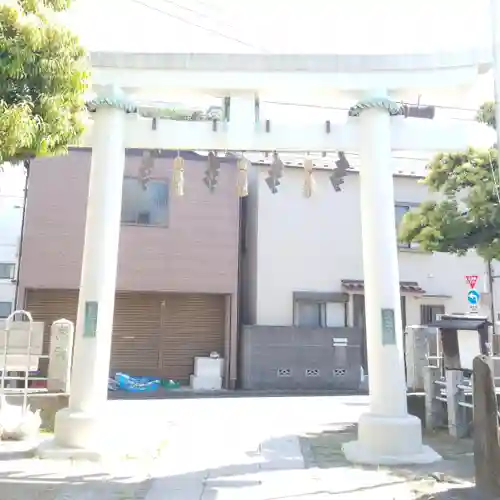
(429, 313)
(144, 204)
(310, 314)
(7, 270)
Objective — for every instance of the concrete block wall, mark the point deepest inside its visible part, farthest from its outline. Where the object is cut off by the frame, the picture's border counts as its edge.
(289, 357)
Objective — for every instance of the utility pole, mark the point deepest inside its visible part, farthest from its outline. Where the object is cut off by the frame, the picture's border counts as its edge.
(491, 287)
(495, 50)
(17, 303)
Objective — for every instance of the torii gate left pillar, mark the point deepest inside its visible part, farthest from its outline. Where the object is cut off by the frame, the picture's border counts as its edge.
(80, 430)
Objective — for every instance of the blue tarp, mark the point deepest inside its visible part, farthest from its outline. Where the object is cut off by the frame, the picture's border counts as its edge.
(127, 383)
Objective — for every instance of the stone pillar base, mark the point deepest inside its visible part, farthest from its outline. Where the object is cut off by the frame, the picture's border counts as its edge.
(384, 440)
(50, 450)
(102, 436)
(78, 435)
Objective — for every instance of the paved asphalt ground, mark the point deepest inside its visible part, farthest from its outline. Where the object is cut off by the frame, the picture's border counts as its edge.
(232, 448)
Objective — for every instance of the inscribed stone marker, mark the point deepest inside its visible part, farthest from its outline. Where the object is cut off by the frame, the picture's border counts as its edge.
(91, 312)
(388, 327)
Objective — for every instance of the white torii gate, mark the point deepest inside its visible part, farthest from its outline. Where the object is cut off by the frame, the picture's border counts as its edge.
(387, 433)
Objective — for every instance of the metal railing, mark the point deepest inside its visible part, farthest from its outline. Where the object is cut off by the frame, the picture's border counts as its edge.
(27, 378)
(453, 391)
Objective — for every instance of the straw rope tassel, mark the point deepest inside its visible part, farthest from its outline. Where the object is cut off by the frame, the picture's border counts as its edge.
(178, 176)
(243, 177)
(308, 178)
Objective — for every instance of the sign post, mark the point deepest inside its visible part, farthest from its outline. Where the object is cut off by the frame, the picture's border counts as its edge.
(473, 297)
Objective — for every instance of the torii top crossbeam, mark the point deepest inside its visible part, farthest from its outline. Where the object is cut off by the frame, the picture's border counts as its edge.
(261, 72)
(240, 75)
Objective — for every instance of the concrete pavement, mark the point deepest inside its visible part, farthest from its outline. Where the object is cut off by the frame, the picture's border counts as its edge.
(218, 449)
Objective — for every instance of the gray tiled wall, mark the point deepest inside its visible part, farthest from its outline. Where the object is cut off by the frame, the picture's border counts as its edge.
(289, 357)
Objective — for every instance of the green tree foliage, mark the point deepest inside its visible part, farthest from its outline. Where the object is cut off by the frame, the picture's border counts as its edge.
(43, 74)
(486, 114)
(467, 213)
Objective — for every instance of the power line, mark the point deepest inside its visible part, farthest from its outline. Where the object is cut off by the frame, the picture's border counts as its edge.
(305, 105)
(336, 108)
(189, 9)
(203, 2)
(196, 25)
(261, 49)
(318, 159)
(207, 16)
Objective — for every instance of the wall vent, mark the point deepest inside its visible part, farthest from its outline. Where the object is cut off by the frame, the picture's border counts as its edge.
(284, 372)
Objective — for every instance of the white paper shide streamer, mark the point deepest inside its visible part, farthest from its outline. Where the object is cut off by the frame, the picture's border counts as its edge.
(243, 166)
(178, 176)
(308, 178)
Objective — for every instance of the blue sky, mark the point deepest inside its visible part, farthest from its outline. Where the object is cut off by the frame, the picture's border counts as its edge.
(286, 26)
(307, 26)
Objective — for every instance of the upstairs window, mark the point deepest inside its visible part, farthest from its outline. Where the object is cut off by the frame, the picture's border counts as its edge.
(145, 205)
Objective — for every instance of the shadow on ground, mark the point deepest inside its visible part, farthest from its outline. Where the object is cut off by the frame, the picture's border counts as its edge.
(30, 478)
(20, 484)
(132, 479)
(455, 472)
(464, 493)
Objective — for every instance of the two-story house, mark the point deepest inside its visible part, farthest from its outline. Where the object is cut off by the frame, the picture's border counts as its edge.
(303, 260)
(177, 284)
(12, 184)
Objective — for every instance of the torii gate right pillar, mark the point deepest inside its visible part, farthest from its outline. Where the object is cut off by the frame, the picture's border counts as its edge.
(387, 434)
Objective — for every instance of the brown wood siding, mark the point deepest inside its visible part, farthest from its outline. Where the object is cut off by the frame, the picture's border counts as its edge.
(196, 253)
(192, 326)
(153, 334)
(136, 335)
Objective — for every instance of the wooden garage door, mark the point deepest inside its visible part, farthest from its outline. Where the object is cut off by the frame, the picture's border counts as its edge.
(192, 325)
(136, 329)
(153, 334)
(136, 335)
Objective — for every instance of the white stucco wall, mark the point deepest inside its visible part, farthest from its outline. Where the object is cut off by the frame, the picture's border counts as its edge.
(11, 203)
(312, 244)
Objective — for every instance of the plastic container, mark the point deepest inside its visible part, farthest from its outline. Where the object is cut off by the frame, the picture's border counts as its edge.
(170, 384)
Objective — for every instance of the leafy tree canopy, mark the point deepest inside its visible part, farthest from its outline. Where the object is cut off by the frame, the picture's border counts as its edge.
(43, 73)
(486, 114)
(467, 213)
